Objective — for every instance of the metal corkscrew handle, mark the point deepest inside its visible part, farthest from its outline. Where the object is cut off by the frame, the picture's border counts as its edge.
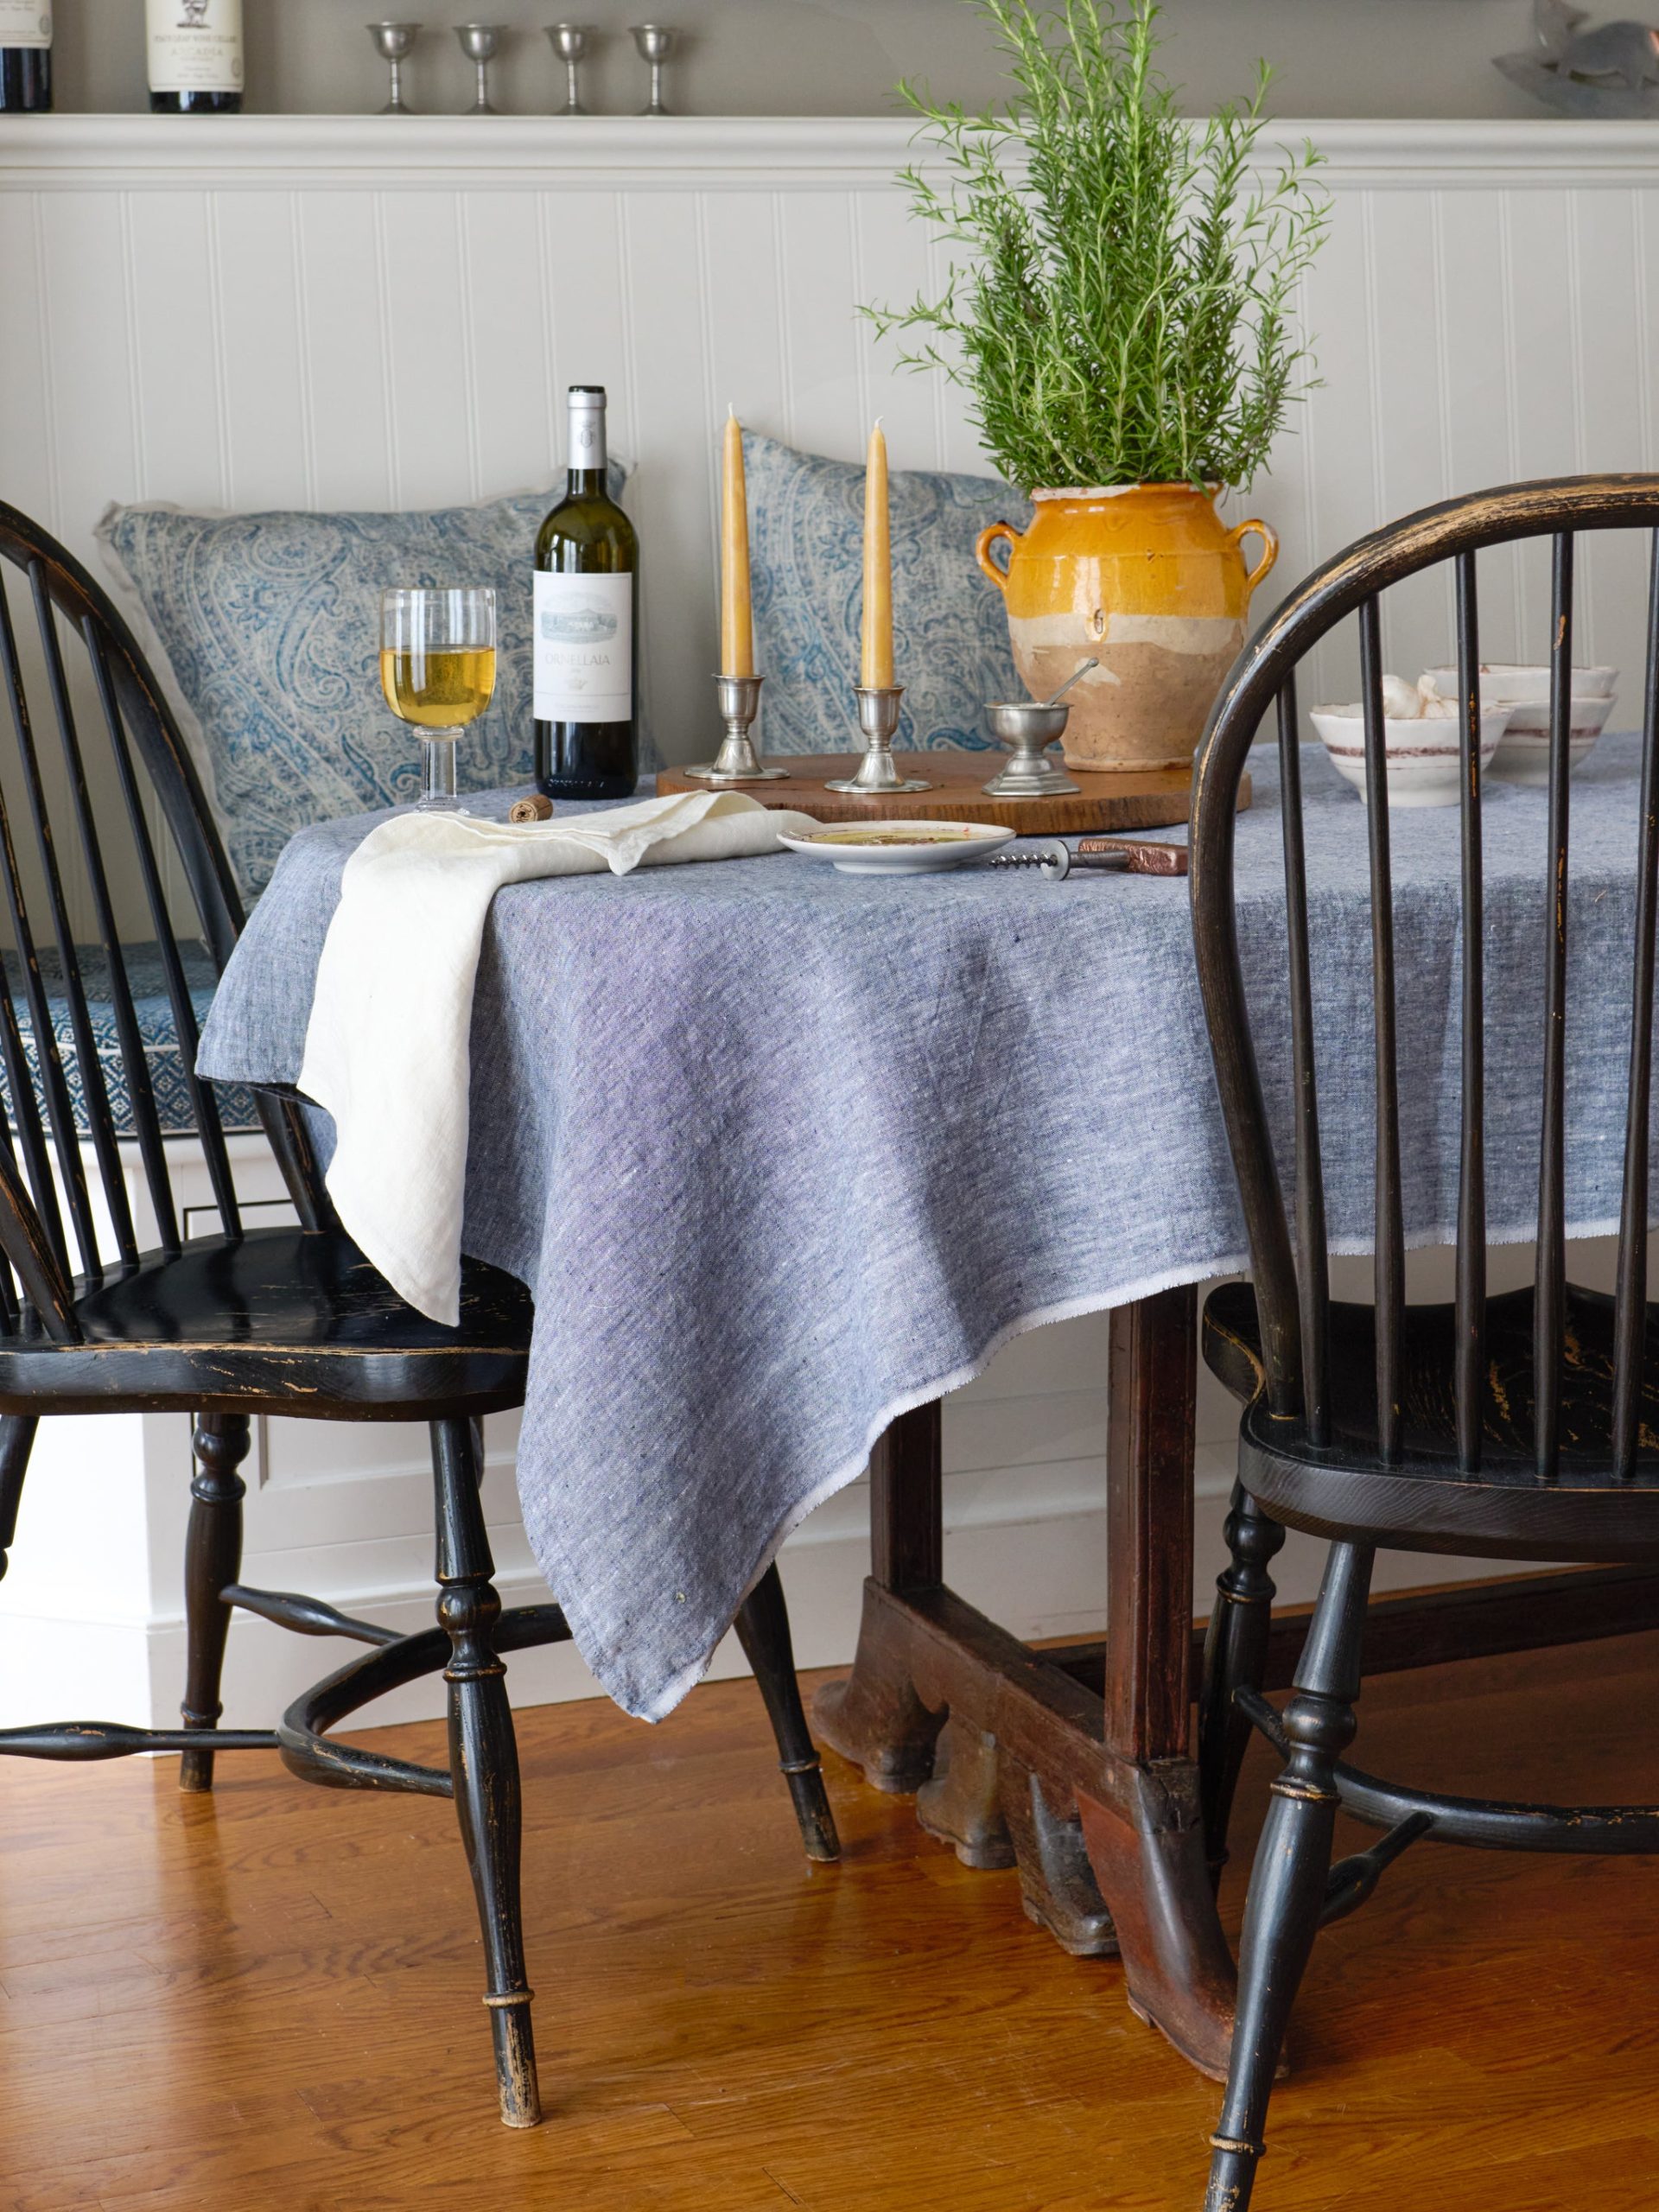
(1057, 861)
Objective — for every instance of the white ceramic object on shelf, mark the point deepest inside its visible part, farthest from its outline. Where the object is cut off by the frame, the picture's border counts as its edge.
(898, 848)
(1423, 746)
(1524, 755)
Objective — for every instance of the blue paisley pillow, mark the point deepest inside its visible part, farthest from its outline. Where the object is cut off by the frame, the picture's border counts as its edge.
(950, 634)
(269, 624)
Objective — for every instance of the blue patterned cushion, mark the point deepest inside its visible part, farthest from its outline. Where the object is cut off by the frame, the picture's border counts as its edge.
(270, 626)
(950, 634)
(146, 981)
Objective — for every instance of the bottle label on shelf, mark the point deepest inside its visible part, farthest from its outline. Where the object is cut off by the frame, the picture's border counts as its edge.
(25, 22)
(195, 46)
(584, 648)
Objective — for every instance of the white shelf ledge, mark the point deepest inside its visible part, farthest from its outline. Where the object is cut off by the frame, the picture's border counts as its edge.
(147, 152)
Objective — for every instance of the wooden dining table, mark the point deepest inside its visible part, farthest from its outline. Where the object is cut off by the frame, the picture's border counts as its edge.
(1041, 1050)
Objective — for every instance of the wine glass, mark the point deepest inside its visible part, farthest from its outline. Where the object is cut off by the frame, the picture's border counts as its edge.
(437, 670)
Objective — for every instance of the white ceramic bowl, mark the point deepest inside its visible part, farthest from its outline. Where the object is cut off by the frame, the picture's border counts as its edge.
(1524, 755)
(1423, 764)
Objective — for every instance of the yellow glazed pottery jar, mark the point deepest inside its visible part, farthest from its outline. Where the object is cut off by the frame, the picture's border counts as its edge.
(1149, 581)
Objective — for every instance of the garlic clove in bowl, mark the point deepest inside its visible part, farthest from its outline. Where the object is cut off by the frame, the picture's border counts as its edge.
(1421, 739)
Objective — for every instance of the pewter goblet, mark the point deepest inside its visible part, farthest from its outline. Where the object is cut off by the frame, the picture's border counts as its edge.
(570, 44)
(654, 43)
(479, 42)
(1028, 729)
(392, 42)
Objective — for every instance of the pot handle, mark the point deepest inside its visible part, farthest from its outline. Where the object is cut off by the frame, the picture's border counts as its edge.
(994, 569)
(1269, 549)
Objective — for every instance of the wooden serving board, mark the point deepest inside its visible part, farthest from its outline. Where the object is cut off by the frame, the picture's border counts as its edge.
(1148, 798)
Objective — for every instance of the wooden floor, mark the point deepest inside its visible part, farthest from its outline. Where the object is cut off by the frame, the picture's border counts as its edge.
(270, 1999)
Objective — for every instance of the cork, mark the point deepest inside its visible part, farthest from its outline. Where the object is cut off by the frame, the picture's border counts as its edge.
(536, 808)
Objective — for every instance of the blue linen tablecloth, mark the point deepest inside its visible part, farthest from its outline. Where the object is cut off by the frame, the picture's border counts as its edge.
(782, 1152)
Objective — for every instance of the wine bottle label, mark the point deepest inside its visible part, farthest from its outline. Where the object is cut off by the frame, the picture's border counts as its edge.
(25, 22)
(195, 46)
(584, 648)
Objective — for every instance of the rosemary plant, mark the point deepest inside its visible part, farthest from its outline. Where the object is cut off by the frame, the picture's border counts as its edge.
(1121, 314)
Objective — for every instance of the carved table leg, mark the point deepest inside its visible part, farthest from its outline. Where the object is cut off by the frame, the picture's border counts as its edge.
(963, 1804)
(874, 1717)
(1057, 1884)
(213, 1559)
(1151, 1866)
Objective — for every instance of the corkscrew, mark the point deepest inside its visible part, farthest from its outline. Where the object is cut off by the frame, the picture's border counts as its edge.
(1055, 860)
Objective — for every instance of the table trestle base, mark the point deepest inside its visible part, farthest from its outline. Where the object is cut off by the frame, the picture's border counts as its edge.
(1116, 1861)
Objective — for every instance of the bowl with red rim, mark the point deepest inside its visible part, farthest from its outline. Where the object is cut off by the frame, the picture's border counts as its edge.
(1423, 754)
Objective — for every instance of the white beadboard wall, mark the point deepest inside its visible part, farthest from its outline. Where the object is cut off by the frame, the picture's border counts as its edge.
(334, 311)
(327, 311)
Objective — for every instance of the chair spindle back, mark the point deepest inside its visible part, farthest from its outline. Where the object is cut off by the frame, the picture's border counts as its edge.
(105, 838)
(1291, 1272)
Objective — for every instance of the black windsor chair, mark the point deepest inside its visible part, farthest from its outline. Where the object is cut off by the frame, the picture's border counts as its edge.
(1517, 1428)
(246, 1320)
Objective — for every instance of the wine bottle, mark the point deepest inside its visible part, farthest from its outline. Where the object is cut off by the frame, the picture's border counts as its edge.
(25, 57)
(195, 56)
(586, 627)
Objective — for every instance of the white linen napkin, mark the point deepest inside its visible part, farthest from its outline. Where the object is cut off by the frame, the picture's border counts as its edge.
(387, 1048)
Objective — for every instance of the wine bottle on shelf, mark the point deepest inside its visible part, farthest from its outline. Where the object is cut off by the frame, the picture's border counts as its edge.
(195, 56)
(25, 57)
(586, 628)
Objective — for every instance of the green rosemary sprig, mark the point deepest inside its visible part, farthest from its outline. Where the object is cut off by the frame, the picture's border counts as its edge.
(1121, 313)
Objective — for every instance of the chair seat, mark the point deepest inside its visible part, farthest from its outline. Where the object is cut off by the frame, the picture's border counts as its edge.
(1423, 1500)
(147, 981)
(279, 1321)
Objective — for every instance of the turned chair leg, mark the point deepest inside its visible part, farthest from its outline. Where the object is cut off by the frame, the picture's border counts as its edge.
(484, 1758)
(16, 1442)
(1235, 1657)
(763, 1631)
(1287, 1882)
(213, 1559)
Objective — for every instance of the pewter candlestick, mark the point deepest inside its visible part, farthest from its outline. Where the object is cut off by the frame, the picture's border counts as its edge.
(570, 44)
(392, 42)
(737, 762)
(877, 717)
(479, 42)
(654, 43)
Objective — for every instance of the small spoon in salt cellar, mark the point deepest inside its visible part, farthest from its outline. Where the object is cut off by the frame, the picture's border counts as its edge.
(1076, 676)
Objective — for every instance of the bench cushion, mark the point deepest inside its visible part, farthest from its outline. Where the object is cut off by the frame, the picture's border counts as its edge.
(265, 631)
(146, 981)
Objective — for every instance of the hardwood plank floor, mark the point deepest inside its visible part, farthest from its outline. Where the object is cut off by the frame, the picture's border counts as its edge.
(270, 1999)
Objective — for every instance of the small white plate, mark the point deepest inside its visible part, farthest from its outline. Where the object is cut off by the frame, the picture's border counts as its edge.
(898, 848)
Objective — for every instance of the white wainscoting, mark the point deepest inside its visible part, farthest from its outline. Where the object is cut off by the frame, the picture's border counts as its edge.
(335, 312)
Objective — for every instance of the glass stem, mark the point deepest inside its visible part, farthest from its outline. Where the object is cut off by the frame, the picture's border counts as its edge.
(438, 773)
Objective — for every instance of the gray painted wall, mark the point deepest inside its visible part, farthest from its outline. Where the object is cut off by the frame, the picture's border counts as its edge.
(832, 57)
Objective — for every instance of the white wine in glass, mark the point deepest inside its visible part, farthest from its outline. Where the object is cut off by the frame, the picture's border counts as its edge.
(437, 670)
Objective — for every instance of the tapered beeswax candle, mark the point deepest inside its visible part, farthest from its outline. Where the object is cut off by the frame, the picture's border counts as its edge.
(876, 660)
(736, 618)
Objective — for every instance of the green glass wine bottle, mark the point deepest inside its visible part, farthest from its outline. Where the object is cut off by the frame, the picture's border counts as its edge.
(586, 625)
